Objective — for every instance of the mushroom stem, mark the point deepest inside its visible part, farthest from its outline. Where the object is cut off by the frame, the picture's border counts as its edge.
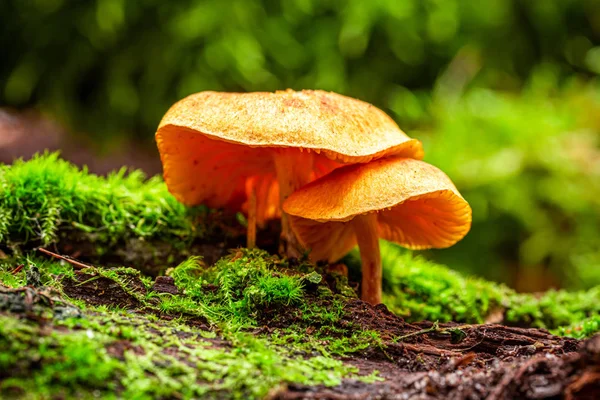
(294, 169)
(251, 232)
(367, 236)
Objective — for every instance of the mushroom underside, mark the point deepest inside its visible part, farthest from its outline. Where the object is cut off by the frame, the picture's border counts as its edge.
(432, 220)
(219, 174)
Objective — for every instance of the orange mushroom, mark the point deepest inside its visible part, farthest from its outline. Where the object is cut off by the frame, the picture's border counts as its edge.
(219, 148)
(401, 200)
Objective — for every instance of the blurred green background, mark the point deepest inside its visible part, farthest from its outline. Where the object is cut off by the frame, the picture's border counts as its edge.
(503, 93)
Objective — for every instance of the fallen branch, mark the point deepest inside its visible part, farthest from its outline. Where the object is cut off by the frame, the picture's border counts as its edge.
(76, 264)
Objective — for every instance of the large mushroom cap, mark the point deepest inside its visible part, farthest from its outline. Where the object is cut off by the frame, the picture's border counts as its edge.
(212, 144)
(417, 206)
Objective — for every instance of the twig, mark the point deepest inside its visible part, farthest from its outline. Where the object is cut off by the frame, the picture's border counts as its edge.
(17, 269)
(426, 349)
(434, 328)
(76, 264)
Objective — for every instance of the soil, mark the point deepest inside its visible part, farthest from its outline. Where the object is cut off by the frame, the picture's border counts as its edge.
(423, 360)
(464, 362)
(97, 291)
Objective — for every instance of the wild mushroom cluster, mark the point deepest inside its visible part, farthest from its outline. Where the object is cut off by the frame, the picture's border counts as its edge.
(336, 170)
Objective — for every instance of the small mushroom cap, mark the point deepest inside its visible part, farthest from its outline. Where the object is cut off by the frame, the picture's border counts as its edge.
(214, 144)
(417, 206)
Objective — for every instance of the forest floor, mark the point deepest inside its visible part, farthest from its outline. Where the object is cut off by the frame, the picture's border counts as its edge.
(169, 310)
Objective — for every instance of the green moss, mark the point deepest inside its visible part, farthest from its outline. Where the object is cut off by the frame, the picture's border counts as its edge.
(248, 281)
(45, 196)
(244, 290)
(73, 360)
(554, 308)
(251, 288)
(419, 289)
(142, 355)
(138, 358)
(327, 341)
(582, 329)
(245, 287)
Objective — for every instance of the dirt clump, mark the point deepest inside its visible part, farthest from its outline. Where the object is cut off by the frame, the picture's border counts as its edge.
(99, 290)
(165, 284)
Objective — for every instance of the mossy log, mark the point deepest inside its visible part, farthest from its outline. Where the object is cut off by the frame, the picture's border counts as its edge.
(180, 321)
(254, 326)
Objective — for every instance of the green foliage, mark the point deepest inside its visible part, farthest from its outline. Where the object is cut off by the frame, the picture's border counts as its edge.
(554, 308)
(85, 360)
(582, 329)
(529, 165)
(46, 194)
(113, 72)
(418, 289)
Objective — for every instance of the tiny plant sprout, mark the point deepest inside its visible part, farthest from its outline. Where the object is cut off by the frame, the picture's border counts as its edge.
(249, 151)
(401, 200)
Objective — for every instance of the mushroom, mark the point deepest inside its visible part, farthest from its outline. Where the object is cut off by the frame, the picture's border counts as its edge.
(402, 200)
(219, 148)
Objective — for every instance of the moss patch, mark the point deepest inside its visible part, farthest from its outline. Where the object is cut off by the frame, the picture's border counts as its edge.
(41, 196)
(123, 217)
(582, 329)
(158, 351)
(136, 358)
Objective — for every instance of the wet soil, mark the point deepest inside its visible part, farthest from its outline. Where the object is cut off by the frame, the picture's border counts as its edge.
(430, 361)
(545, 375)
(97, 290)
